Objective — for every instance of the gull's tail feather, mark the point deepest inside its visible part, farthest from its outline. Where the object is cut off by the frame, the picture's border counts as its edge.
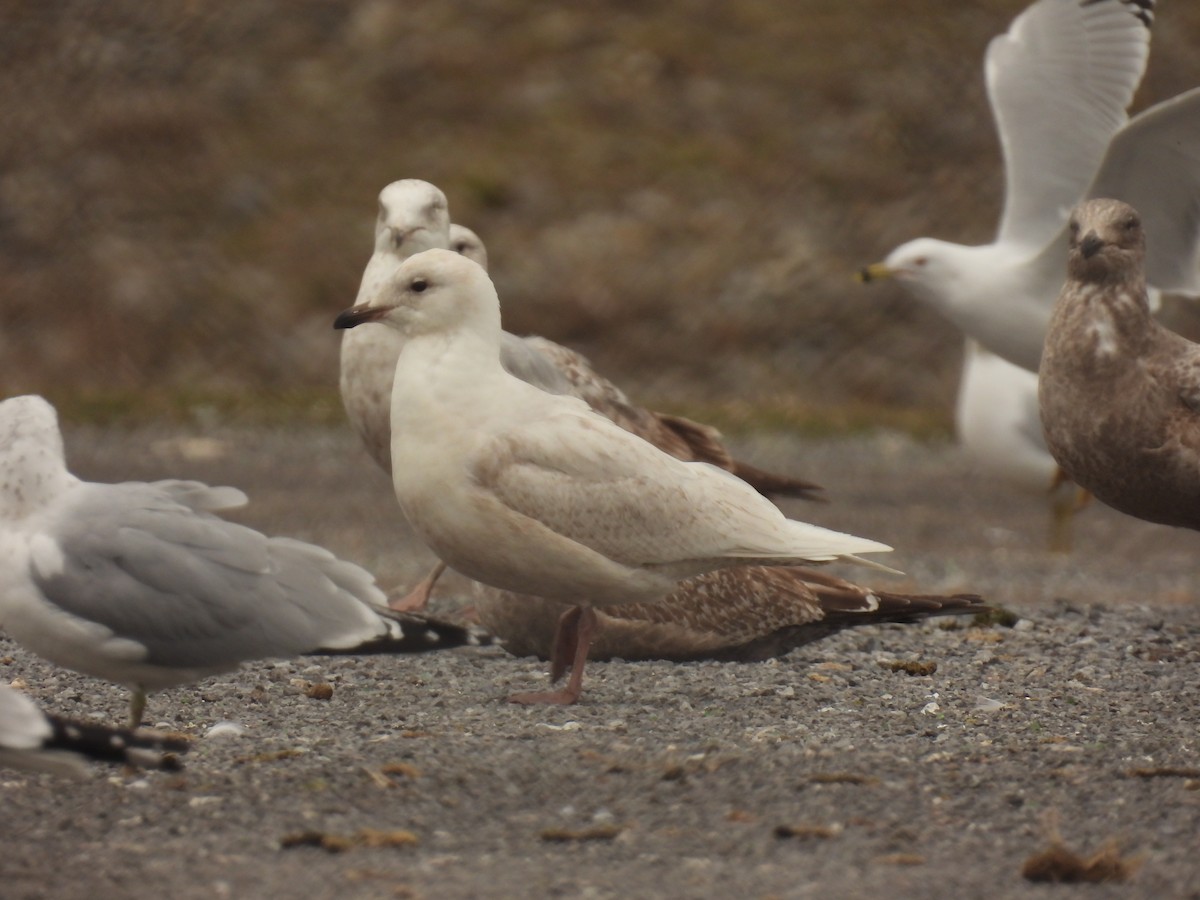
(406, 632)
(144, 748)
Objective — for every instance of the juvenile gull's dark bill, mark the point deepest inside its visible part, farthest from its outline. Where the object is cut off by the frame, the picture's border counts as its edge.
(1119, 393)
(538, 494)
(34, 740)
(140, 584)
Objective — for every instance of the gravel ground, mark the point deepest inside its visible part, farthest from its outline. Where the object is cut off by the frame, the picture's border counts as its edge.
(822, 774)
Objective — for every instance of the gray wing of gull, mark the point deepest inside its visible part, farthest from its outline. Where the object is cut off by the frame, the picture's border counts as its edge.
(148, 563)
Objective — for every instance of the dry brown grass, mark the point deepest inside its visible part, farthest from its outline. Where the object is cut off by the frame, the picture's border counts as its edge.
(680, 190)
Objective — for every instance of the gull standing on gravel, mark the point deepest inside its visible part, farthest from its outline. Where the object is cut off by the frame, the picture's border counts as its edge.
(1120, 394)
(140, 584)
(37, 741)
(536, 493)
(1060, 81)
(744, 613)
(414, 216)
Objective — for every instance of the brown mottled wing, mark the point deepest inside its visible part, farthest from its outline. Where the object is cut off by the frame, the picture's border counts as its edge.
(1186, 374)
(744, 614)
(682, 438)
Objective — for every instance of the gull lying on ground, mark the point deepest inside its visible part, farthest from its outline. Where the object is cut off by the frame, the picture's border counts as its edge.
(37, 741)
(1119, 393)
(534, 492)
(1059, 82)
(140, 584)
(747, 613)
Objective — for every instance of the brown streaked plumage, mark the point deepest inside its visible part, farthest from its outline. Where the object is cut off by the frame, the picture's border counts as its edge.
(1119, 393)
(682, 438)
(744, 614)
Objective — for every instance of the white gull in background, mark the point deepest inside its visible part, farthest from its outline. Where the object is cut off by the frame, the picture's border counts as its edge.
(33, 740)
(536, 493)
(467, 243)
(998, 424)
(1060, 81)
(140, 584)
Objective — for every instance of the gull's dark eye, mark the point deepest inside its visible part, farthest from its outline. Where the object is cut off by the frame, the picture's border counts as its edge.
(418, 285)
(1074, 227)
(920, 261)
(1130, 223)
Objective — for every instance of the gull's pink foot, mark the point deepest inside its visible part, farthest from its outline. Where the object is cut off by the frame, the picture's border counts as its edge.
(418, 598)
(576, 628)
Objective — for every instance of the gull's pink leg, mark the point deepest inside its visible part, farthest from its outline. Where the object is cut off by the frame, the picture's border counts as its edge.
(418, 598)
(576, 628)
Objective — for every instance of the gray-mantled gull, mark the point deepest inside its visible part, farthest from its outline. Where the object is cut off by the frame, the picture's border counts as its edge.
(34, 740)
(1119, 393)
(745, 614)
(1059, 82)
(538, 494)
(140, 584)
(998, 423)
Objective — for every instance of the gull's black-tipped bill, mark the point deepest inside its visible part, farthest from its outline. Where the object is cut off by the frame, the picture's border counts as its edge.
(1091, 245)
(357, 315)
(874, 272)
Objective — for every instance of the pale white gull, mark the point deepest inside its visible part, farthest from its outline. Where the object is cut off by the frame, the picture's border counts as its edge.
(140, 584)
(33, 740)
(536, 493)
(1060, 81)
(413, 216)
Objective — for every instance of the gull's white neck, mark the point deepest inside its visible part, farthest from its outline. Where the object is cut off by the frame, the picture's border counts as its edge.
(447, 387)
(993, 294)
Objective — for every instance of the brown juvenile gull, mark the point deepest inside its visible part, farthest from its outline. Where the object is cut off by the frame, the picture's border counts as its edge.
(536, 493)
(37, 741)
(140, 584)
(1060, 81)
(746, 614)
(414, 216)
(1119, 393)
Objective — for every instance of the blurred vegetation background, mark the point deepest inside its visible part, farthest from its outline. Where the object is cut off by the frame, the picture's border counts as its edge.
(680, 190)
